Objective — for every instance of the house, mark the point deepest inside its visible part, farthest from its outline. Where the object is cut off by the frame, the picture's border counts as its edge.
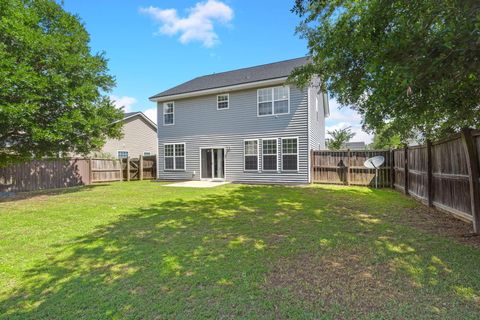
(355, 145)
(140, 137)
(245, 125)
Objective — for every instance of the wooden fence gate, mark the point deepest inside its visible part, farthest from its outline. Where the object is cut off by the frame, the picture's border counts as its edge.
(141, 168)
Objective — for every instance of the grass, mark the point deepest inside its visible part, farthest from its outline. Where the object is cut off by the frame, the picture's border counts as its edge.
(140, 250)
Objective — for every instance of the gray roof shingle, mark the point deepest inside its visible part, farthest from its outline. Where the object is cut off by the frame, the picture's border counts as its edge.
(241, 76)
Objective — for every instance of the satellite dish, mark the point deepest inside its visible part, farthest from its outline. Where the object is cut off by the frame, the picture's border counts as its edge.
(374, 162)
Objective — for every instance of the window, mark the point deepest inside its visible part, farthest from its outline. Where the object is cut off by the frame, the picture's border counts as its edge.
(290, 154)
(316, 107)
(264, 99)
(168, 113)
(222, 101)
(280, 100)
(251, 155)
(174, 155)
(272, 101)
(121, 154)
(269, 152)
(146, 153)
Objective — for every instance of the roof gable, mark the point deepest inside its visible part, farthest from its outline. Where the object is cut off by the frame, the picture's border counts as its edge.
(147, 120)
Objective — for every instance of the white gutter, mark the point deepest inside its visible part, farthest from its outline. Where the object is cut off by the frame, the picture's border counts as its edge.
(220, 90)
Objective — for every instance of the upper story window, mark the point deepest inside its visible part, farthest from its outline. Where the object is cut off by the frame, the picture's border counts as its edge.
(146, 153)
(273, 101)
(168, 113)
(223, 101)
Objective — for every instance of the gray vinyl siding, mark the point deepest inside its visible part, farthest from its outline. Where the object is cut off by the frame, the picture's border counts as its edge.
(199, 124)
(317, 125)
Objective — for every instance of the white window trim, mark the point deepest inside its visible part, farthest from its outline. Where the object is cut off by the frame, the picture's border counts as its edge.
(173, 113)
(273, 102)
(270, 154)
(228, 101)
(297, 154)
(258, 155)
(128, 153)
(174, 156)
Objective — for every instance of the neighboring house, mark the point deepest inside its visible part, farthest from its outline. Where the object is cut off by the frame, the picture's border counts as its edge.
(355, 145)
(245, 125)
(140, 137)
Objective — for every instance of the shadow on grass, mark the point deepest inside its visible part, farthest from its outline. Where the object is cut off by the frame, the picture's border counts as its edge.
(210, 257)
(16, 196)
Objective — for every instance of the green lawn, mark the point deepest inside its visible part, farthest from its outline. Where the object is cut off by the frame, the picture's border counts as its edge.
(140, 250)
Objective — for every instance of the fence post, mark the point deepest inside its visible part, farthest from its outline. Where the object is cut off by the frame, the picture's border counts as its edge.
(128, 168)
(405, 168)
(392, 169)
(140, 167)
(471, 154)
(90, 167)
(429, 174)
(120, 165)
(348, 167)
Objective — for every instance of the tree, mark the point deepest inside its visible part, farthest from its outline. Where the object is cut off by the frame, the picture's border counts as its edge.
(52, 89)
(339, 138)
(412, 64)
(383, 139)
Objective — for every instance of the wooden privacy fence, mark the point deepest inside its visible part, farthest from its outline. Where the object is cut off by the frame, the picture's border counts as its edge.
(346, 167)
(443, 174)
(62, 173)
(45, 174)
(105, 170)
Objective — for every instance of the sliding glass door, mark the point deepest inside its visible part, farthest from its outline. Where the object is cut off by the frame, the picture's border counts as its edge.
(213, 163)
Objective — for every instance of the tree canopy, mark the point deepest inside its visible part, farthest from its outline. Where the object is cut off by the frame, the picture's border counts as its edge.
(383, 139)
(52, 88)
(339, 138)
(414, 65)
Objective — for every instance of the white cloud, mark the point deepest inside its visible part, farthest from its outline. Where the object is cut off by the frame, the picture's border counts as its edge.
(360, 135)
(125, 102)
(152, 114)
(341, 118)
(198, 25)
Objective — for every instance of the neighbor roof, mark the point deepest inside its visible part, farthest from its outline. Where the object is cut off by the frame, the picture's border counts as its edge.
(235, 77)
(129, 115)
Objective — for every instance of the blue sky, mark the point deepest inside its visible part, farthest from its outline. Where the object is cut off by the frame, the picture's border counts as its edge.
(153, 45)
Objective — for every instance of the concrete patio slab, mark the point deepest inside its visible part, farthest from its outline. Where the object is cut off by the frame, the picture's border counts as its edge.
(197, 184)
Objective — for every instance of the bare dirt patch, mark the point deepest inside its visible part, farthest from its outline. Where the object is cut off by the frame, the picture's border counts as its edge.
(344, 279)
(440, 223)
